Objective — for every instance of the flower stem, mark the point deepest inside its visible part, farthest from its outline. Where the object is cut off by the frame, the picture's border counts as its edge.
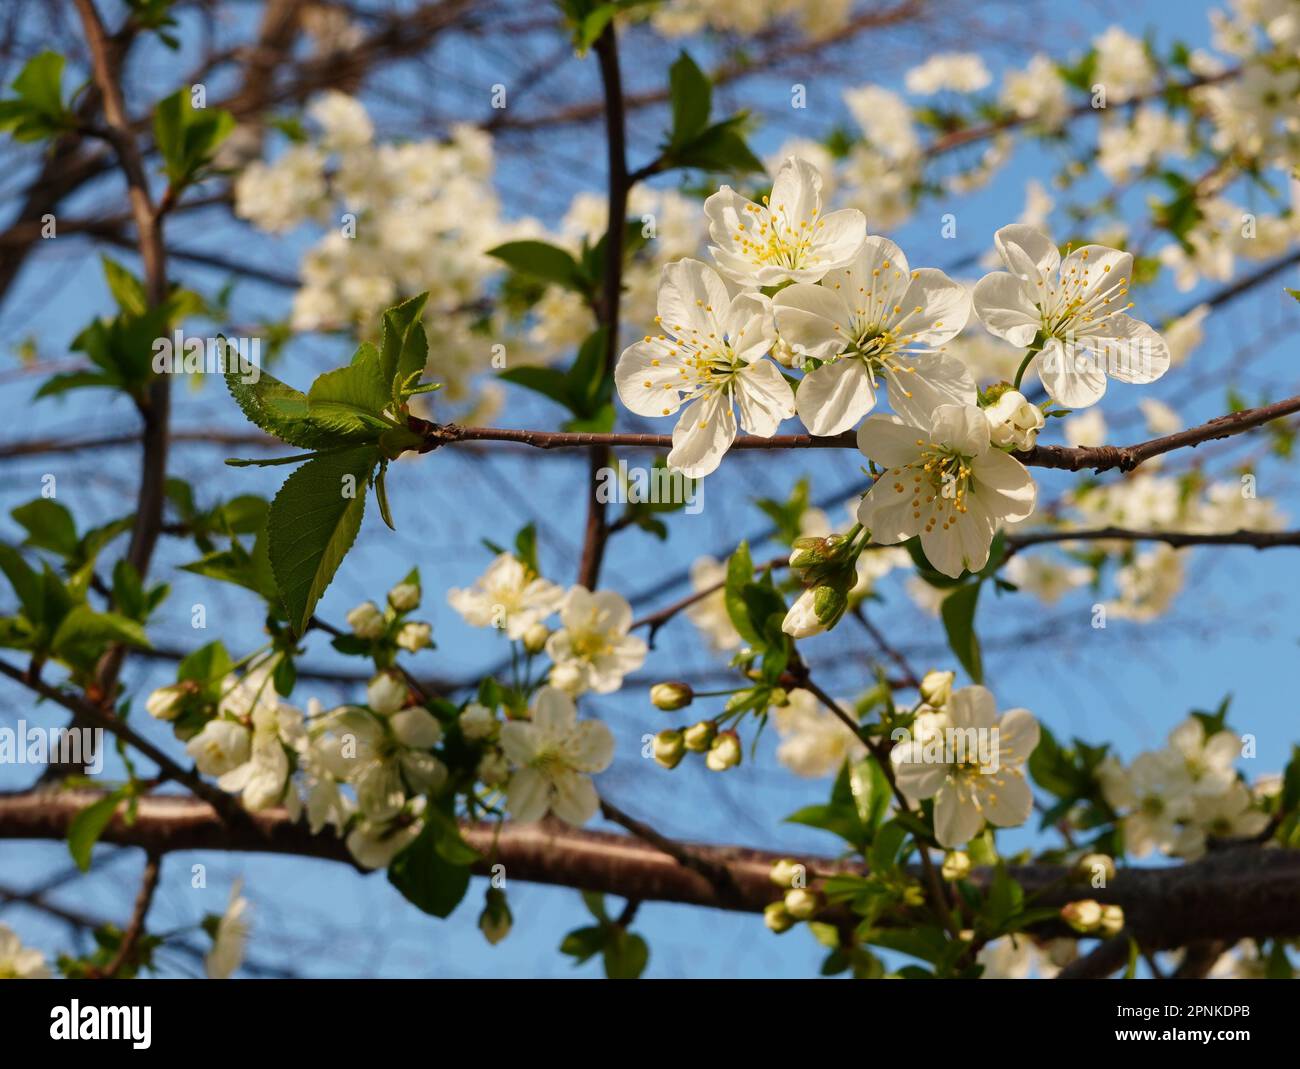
(1034, 350)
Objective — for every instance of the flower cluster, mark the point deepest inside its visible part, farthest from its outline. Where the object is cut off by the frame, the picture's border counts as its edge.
(1174, 799)
(846, 308)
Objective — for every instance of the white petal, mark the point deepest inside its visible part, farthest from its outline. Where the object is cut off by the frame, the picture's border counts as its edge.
(889, 441)
(764, 398)
(1005, 308)
(956, 818)
(528, 797)
(835, 396)
(814, 320)
(973, 707)
(1018, 736)
(703, 435)
(554, 714)
(1073, 379)
(692, 299)
(1027, 251)
(591, 747)
(646, 378)
(575, 798)
(1005, 798)
(837, 239)
(1133, 351)
(963, 428)
(945, 307)
(935, 379)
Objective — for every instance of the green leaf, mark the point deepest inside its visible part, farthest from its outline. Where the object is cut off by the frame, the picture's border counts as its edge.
(27, 583)
(38, 110)
(426, 878)
(583, 944)
(279, 410)
(721, 147)
(404, 347)
(626, 955)
(89, 824)
(48, 525)
(312, 526)
(82, 626)
(958, 613)
(538, 259)
(1294, 293)
(127, 290)
(740, 573)
(188, 137)
(692, 98)
(207, 664)
(236, 565)
(350, 401)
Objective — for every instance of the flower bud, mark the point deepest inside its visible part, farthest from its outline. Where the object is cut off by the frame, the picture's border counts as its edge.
(1013, 421)
(415, 636)
(404, 597)
(671, 696)
(1112, 920)
(956, 865)
(699, 737)
(165, 703)
(477, 721)
(725, 752)
(669, 748)
(495, 920)
(788, 873)
(936, 688)
(777, 917)
(816, 609)
(802, 904)
(367, 621)
(1082, 916)
(535, 638)
(386, 693)
(1097, 868)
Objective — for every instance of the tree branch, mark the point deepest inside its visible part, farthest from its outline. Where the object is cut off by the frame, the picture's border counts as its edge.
(1229, 894)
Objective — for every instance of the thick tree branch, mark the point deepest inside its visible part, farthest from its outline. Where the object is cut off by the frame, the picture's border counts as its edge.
(1230, 894)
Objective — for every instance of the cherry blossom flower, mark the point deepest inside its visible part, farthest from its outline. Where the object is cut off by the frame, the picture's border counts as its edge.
(508, 596)
(592, 650)
(786, 238)
(555, 755)
(966, 792)
(944, 482)
(711, 360)
(18, 962)
(875, 321)
(1073, 308)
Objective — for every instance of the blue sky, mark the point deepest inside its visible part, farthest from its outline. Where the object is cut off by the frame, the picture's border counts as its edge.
(1233, 629)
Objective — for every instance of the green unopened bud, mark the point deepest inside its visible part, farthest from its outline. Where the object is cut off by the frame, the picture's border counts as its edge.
(699, 737)
(367, 621)
(725, 752)
(669, 748)
(495, 921)
(779, 697)
(671, 696)
(535, 638)
(1083, 916)
(777, 917)
(404, 597)
(802, 904)
(166, 703)
(1097, 869)
(788, 873)
(1112, 920)
(957, 865)
(936, 688)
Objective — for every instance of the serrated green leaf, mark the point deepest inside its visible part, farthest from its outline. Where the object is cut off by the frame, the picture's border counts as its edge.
(404, 345)
(280, 410)
(82, 625)
(312, 525)
(350, 401)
